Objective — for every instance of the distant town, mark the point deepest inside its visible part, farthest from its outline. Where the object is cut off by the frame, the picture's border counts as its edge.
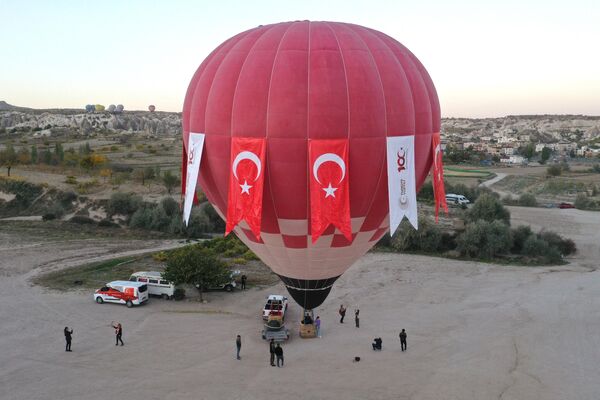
(521, 140)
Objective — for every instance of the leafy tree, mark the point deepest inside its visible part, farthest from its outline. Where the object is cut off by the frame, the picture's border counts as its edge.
(527, 151)
(170, 206)
(545, 155)
(485, 240)
(149, 173)
(554, 170)
(59, 153)
(527, 200)
(520, 234)
(106, 173)
(170, 181)
(23, 156)
(34, 154)
(47, 156)
(488, 208)
(196, 266)
(124, 203)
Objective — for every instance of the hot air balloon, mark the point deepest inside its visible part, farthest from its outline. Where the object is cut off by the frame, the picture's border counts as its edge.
(112, 108)
(99, 107)
(151, 108)
(294, 81)
(120, 108)
(90, 108)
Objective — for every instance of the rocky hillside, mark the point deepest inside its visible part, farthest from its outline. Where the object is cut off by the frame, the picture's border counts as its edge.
(18, 120)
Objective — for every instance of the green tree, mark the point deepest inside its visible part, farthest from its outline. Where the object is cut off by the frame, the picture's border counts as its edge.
(47, 156)
(527, 200)
(34, 154)
(554, 170)
(196, 266)
(485, 240)
(527, 151)
(488, 208)
(170, 181)
(59, 153)
(545, 155)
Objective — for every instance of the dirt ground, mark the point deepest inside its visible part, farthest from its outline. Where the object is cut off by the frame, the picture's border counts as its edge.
(475, 331)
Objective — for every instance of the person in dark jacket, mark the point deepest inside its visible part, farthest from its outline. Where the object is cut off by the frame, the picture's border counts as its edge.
(377, 343)
(119, 333)
(403, 340)
(244, 278)
(342, 313)
(238, 345)
(356, 320)
(68, 334)
(272, 351)
(279, 354)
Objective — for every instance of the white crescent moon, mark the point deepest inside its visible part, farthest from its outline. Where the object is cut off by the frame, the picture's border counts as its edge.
(323, 158)
(247, 155)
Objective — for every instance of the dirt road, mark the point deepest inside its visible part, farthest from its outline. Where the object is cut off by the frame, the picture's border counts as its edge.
(475, 331)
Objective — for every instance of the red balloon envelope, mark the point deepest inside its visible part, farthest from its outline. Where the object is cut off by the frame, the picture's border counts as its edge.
(294, 81)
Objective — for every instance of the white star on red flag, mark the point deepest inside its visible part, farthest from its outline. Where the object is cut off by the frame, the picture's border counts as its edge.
(245, 187)
(329, 191)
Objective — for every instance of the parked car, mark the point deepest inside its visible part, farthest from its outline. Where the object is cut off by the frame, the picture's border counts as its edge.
(275, 303)
(456, 199)
(229, 286)
(122, 292)
(157, 286)
(566, 205)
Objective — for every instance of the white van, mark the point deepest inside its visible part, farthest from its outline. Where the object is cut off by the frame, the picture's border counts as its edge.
(457, 199)
(157, 286)
(123, 292)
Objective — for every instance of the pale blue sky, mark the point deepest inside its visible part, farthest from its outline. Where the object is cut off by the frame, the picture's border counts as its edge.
(486, 58)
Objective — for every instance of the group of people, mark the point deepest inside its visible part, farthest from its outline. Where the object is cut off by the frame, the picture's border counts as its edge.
(378, 342)
(275, 351)
(68, 332)
(342, 312)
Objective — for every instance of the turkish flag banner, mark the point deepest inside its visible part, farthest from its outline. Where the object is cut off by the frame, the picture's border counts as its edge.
(329, 187)
(437, 166)
(246, 180)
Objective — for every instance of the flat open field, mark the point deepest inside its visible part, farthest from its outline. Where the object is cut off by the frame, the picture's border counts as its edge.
(475, 331)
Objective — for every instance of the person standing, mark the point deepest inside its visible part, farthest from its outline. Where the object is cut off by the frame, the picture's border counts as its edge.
(279, 354)
(119, 333)
(403, 340)
(356, 320)
(68, 334)
(238, 345)
(272, 351)
(342, 312)
(318, 326)
(244, 277)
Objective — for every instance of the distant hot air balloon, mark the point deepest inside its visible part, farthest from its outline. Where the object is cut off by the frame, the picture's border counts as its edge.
(151, 108)
(120, 108)
(99, 107)
(292, 82)
(90, 108)
(112, 108)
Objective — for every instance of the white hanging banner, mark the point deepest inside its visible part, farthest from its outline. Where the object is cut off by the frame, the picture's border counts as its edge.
(194, 156)
(401, 181)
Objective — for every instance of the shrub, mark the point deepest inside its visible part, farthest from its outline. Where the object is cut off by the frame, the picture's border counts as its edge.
(427, 238)
(124, 203)
(178, 294)
(80, 219)
(527, 200)
(554, 240)
(107, 223)
(540, 249)
(141, 219)
(161, 256)
(170, 206)
(488, 208)
(554, 170)
(239, 261)
(66, 198)
(485, 240)
(48, 217)
(520, 235)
